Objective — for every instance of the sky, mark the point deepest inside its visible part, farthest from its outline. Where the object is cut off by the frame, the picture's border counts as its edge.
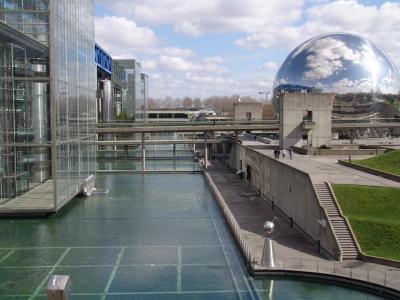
(203, 48)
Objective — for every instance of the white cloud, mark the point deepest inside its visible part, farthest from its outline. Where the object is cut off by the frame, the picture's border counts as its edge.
(176, 63)
(270, 66)
(378, 23)
(213, 60)
(211, 80)
(176, 51)
(188, 28)
(122, 37)
(149, 64)
(198, 17)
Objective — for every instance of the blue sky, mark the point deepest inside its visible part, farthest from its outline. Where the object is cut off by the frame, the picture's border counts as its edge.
(226, 47)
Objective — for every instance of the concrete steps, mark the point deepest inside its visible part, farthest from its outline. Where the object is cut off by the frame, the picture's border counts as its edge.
(343, 234)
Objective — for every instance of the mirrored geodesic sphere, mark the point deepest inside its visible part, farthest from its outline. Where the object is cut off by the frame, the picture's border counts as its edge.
(363, 78)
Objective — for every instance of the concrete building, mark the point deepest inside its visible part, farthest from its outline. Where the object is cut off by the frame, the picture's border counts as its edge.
(247, 111)
(47, 103)
(305, 119)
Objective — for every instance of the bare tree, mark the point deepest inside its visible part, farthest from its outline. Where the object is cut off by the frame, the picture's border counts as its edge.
(187, 102)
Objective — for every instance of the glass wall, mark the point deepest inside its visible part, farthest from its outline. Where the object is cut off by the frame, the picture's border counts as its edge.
(144, 94)
(29, 16)
(131, 92)
(118, 78)
(24, 126)
(73, 80)
(47, 101)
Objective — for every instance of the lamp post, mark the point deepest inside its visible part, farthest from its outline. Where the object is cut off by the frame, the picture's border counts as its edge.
(266, 93)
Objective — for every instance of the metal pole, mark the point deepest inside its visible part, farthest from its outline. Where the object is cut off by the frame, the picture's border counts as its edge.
(205, 151)
(194, 144)
(143, 153)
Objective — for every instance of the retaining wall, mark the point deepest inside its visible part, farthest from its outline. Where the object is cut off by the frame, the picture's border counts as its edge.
(291, 191)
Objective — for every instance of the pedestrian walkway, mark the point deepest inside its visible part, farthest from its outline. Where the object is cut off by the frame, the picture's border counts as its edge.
(37, 201)
(326, 169)
(292, 251)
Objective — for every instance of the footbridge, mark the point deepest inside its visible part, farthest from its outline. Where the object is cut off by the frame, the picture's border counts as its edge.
(231, 126)
(224, 126)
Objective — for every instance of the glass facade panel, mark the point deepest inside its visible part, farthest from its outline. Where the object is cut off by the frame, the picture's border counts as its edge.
(24, 164)
(74, 80)
(37, 128)
(28, 16)
(131, 92)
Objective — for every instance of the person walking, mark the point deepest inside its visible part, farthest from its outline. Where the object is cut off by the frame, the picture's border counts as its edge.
(290, 153)
(283, 153)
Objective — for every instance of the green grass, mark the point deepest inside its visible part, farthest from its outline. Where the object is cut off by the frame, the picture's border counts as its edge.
(374, 215)
(388, 162)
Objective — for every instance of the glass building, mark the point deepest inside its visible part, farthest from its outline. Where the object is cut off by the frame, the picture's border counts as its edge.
(144, 95)
(131, 93)
(47, 102)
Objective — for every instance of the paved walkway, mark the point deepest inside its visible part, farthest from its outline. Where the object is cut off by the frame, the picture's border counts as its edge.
(40, 199)
(292, 250)
(326, 168)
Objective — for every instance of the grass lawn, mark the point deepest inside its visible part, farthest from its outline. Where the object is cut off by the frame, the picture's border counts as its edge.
(374, 214)
(387, 162)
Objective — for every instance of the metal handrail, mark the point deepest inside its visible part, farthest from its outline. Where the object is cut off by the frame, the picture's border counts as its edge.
(325, 213)
(340, 269)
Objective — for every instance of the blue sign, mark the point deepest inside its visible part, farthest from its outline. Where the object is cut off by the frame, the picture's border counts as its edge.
(103, 59)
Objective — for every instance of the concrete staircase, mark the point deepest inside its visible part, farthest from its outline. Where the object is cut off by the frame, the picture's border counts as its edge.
(342, 231)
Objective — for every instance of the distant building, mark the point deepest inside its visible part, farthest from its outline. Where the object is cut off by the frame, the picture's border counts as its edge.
(122, 90)
(131, 93)
(105, 86)
(247, 111)
(144, 95)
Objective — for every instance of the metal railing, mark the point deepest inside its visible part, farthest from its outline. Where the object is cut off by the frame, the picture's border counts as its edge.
(375, 120)
(233, 224)
(185, 123)
(390, 279)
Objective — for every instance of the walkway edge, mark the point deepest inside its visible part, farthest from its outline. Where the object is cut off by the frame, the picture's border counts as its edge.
(234, 226)
(369, 170)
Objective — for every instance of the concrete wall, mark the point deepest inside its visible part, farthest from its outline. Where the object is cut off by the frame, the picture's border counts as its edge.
(293, 111)
(291, 191)
(338, 151)
(240, 111)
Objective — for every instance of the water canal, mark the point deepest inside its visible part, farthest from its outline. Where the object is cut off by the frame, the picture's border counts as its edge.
(153, 236)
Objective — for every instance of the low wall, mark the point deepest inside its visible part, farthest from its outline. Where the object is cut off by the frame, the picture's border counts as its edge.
(370, 170)
(291, 191)
(367, 151)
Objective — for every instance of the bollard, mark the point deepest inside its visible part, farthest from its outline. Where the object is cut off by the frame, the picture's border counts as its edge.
(268, 257)
(58, 287)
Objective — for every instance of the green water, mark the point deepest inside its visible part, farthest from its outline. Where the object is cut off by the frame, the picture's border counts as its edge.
(150, 237)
